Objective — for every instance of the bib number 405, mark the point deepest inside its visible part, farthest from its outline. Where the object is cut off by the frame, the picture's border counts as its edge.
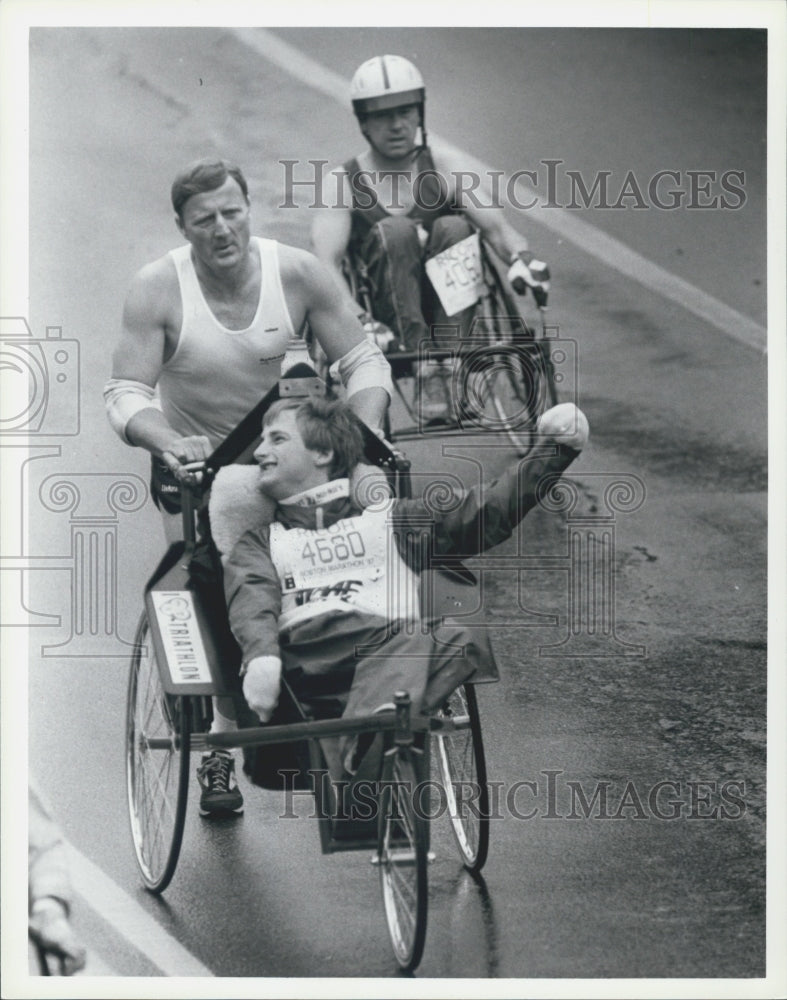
(456, 275)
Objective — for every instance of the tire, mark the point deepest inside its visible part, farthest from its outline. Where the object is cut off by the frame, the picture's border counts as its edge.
(462, 765)
(402, 849)
(500, 390)
(157, 775)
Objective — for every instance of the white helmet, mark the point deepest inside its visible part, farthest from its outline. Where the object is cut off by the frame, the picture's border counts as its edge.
(385, 82)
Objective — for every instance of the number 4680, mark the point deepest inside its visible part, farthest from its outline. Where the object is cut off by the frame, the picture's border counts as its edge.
(336, 548)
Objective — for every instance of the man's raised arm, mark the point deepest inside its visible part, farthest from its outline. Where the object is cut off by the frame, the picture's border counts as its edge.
(484, 517)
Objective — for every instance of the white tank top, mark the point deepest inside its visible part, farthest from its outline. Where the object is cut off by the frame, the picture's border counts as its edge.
(217, 375)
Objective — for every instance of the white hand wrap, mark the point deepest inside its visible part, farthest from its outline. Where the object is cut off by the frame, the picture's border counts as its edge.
(566, 424)
(123, 398)
(262, 684)
(363, 367)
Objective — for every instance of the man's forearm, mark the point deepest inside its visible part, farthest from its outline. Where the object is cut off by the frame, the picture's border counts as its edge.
(370, 405)
(485, 517)
(366, 376)
(149, 429)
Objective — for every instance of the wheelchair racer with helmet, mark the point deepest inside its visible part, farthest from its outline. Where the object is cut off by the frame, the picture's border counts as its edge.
(397, 206)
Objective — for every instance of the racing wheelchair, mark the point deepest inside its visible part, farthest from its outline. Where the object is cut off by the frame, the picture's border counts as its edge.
(502, 375)
(185, 654)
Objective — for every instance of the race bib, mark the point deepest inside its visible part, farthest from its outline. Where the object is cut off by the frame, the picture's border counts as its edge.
(352, 564)
(456, 275)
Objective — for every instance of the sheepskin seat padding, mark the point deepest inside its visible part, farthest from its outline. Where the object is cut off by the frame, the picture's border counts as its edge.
(236, 506)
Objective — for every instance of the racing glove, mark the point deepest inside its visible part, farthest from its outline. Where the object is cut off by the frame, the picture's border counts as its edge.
(527, 272)
(262, 685)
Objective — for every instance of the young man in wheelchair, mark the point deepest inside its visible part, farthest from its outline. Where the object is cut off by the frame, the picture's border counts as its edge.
(402, 202)
(329, 592)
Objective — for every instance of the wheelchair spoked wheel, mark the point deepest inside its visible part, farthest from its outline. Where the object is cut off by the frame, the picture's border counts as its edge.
(462, 765)
(518, 378)
(501, 392)
(157, 765)
(402, 851)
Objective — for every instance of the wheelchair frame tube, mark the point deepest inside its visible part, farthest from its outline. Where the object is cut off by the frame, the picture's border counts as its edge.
(388, 721)
(317, 729)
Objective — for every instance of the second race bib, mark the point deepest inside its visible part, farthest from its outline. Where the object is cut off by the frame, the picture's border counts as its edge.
(456, 275)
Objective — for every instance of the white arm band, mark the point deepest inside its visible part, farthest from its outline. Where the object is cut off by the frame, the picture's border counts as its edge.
(363, 367)
(123, 398)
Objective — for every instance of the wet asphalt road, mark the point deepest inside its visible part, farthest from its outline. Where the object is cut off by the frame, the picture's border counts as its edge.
(664, 883)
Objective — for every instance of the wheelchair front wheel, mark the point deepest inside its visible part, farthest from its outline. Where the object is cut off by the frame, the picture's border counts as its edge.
(513, 394)
(402, 850)
(157, 765)
(462, 764)
(519, 382)
(500, 389)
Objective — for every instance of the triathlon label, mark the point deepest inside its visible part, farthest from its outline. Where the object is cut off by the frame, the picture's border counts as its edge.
(180, 634)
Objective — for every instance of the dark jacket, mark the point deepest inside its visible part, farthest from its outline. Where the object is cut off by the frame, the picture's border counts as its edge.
(287, 589)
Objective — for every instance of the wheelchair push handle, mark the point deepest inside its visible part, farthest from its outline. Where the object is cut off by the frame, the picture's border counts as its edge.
(193, 471)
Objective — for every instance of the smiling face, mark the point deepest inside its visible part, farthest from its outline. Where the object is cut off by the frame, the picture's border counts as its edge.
(287, 466)
(216, 224)
(392, 133)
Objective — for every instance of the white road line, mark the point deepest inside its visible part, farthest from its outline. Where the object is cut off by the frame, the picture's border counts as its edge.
(587, 237)
(130, 920)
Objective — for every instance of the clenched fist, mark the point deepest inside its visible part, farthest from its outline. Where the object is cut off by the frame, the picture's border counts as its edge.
(262, 684)
(566, 424)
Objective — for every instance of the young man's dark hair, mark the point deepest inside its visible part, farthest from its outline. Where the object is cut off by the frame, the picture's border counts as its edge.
(325, 425)
(204, 175)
